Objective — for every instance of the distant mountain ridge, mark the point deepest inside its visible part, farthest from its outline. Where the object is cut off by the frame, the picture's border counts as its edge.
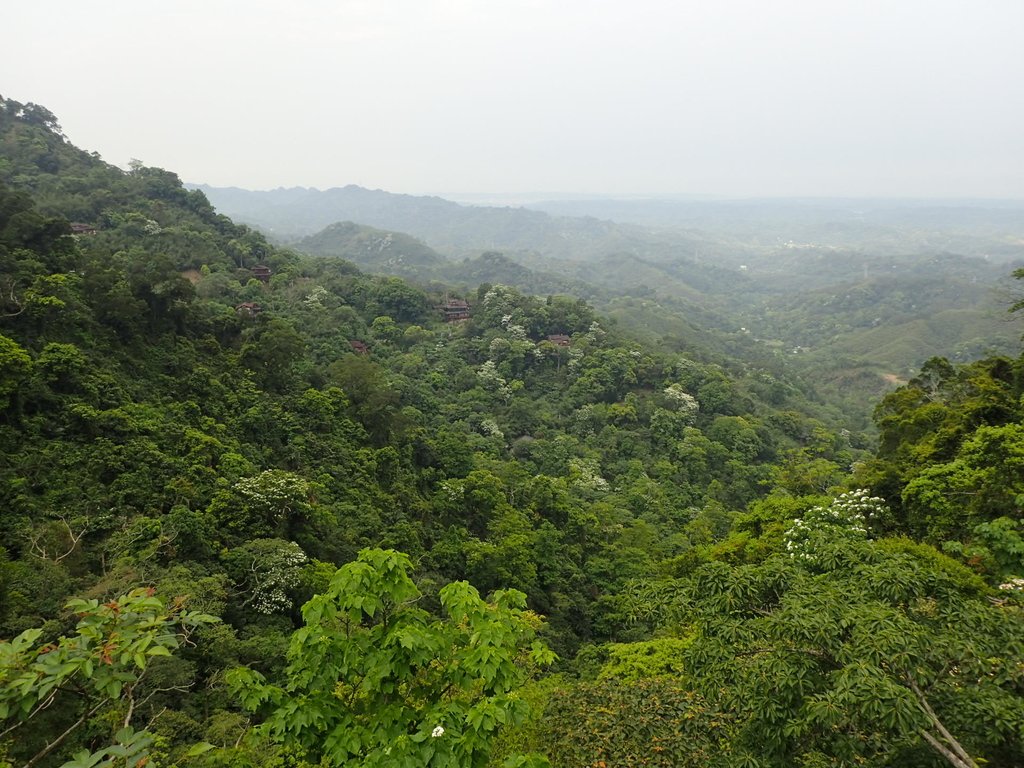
(882, 226)
(395, 253)
(456, 230)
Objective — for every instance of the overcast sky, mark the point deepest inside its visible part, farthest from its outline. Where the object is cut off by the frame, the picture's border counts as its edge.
(720, 97)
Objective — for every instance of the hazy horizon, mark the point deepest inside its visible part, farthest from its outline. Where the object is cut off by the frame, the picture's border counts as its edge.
(541, 100)
(512, 197)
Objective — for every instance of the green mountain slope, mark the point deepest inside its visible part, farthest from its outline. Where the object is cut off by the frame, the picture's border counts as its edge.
(373, 249)
(186, 407)
(189, 409)
(880, 284)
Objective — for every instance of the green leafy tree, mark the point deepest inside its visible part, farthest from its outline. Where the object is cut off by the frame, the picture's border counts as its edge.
(650, 722)
(15, 364)
(51, 693)
(880, 653)
(385, 329)
(373, 680)
(272, 354)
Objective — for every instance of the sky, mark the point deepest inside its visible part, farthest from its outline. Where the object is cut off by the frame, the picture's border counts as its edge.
(734, 98)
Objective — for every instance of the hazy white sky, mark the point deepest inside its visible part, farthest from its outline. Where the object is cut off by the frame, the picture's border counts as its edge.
(727, 97)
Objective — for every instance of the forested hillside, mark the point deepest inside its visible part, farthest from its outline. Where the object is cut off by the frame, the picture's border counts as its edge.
(216, 449)
(854, 294)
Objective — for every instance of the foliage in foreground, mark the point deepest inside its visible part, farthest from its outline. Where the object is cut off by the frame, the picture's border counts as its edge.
(90, 681)
(658, 722)
(873, 652)
(373, 680)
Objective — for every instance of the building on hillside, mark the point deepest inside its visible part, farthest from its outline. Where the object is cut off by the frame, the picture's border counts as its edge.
(249, 308)
(78, 228)
(261, 272)
(359, 347)
(455, 309)
(560, 340)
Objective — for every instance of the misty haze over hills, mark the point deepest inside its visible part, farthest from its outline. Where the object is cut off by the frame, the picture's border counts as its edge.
(975, 227)
(445, 225)
(989, 228)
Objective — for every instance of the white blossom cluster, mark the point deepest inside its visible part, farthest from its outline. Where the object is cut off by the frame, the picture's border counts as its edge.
(575, 358)
(681, 399)
(490, 427)
(497, 295)
(859, 501)
(454, 491)
(280, 572)
(845, 519)
(1015, 584)
(595, 333)
(491, 379)
(315, 299)
(584, 417)
(273, 492)
(584, 474)
(516, 332)
(488, 373)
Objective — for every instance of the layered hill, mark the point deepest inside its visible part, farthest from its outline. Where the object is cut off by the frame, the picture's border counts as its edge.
(457, 230)
(848, 291)
(189, 409)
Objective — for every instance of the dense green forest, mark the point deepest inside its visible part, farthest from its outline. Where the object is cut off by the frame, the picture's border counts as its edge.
(263, 508)
(852, 294)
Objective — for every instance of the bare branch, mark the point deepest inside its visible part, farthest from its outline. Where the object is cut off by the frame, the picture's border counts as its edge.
(946, 753)
(13, 299)
(965, 760)
(37, 549)
(60, 739)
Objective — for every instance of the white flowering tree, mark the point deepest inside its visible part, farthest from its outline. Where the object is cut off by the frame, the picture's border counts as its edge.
(493, 381)
(846, 519)
(274, 493)
(375, 681)
(585, 474)
(267, 505)
(268, 571)
(678, 399)
(315, 299)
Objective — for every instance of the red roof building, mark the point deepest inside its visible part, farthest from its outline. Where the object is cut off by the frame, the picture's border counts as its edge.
(250, 308)
(455, 309)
